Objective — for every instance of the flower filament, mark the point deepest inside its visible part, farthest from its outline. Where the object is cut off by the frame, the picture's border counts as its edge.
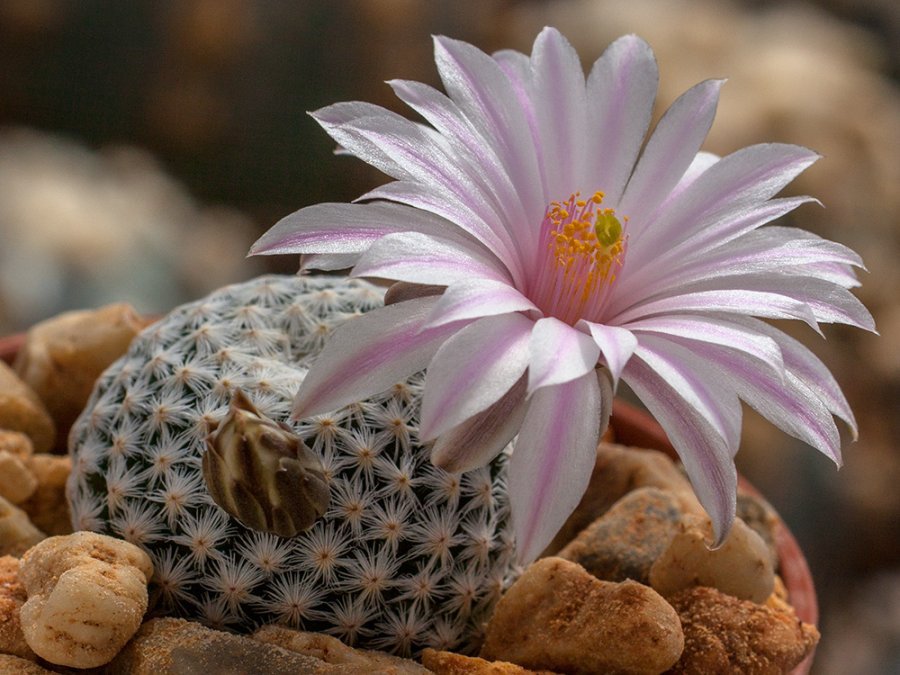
(582, 249)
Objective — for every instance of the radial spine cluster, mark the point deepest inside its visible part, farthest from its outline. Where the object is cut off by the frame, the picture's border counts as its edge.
(406, 556)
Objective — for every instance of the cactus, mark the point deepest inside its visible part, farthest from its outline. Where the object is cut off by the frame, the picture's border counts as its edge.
(406, 556)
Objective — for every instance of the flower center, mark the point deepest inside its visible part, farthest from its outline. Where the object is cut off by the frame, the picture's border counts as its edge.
(582, 249)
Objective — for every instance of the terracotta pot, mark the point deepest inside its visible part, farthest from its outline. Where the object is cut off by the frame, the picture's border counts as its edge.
(635, 427)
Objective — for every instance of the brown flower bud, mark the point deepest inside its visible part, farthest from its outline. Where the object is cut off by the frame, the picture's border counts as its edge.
(262, 473)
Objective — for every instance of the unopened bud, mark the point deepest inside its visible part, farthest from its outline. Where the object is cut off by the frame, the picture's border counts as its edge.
(262, 473)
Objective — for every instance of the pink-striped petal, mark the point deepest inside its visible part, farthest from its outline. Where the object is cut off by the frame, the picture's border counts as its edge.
(616, 346)
(715, 331)
(558, 97)
(475, 298)
(669, 152)
(552, 461)
(621, 89)
(347, 228)
(700, 385)
(559, 354)
(427, 259)
(706, 456)
(472, 370)
(370, 353)
(479, 439)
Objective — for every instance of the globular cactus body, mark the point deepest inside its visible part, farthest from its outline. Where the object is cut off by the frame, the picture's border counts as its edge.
(405, 556)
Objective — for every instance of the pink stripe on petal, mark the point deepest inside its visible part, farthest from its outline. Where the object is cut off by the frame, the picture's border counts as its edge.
(621, 89)
(346, 228)
(705, 454)
(669, 152)
(370, 353)
(552, 461)
(475, 298)
(472, 370)
(559, 353)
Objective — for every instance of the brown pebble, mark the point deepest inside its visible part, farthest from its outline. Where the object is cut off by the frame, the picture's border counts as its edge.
(329, 649)
(449, 663)
(47, 506)
(63, 356)
(725, 635)
(558, 617)
(12, 597)
(13, 665)
(624, 542)
(181, 647)
(22, 410)
(617, 471)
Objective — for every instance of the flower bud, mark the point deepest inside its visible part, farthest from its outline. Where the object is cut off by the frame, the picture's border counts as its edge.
(262, 473)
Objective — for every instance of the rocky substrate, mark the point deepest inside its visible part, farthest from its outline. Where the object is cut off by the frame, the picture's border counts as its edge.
(628, 586)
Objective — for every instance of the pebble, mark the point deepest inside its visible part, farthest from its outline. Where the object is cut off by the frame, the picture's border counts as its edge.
(558, 617)
(449, 663)
(63, 356)
(12, 597)
(725, 635)
(624, 542)
(22, 410)
(17, 483)
(741, 567)
(17, 533)
(13, 665)
(761, 517)
(181, 647)
(47, 506)
(329, 649)
(87, 594)
(619, 470)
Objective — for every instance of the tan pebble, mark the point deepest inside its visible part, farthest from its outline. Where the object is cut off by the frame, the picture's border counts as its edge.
(741, 567)
(558, 617)
(17, 533)
(449, 663)
(617, 471)
(87, 594)
(177, 646)
(63, 356)
(625, 541)
(17, 483)
(16, 443)
(13, 665)
(22, 410)
(725, 635)
(762, 519)
(12, 597)
(329, 649)
(47, 506)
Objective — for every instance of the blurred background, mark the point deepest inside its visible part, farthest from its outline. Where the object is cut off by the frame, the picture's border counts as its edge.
(144, 145)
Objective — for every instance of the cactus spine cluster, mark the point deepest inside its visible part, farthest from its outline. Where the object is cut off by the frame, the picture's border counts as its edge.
(405, 556)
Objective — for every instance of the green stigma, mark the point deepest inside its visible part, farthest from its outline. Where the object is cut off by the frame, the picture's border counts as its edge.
(607, 227)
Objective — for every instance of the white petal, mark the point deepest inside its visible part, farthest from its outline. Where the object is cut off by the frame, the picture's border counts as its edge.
(472, 370)
(621, 89)
(370, 353)
(559, 353)
(552, 461)
(616, 346)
